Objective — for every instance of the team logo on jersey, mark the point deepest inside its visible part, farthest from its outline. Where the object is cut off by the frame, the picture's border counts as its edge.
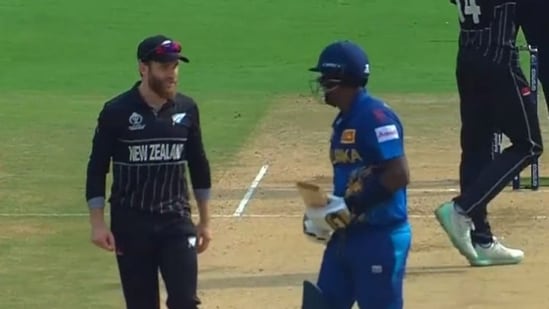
(191, 241)
(387, 133)
(136, 122)
(178, 118)
(348, 136)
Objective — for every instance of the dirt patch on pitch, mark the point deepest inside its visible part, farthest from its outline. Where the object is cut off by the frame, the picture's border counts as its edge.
(263, 259)
(14, 229)
(293, 139)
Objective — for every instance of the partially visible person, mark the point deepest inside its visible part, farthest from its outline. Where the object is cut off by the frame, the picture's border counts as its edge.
(533, 19)
(494, 96)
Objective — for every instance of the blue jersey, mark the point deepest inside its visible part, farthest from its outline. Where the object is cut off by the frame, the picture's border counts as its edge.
(367, 135)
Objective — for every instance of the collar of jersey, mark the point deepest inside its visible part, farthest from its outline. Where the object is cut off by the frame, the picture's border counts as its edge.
(141, 102)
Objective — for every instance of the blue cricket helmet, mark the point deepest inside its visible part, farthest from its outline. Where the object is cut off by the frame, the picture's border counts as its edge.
(343, 62)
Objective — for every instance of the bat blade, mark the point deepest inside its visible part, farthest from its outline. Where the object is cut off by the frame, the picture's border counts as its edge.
(312, 194)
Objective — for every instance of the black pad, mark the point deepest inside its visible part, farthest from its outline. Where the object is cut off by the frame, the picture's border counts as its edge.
(312, 297)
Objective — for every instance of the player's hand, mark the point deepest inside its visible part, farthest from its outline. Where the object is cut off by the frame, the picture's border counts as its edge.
(204, 236)
(334, 215)
(314, 232)
(338, 215)
(102, 237)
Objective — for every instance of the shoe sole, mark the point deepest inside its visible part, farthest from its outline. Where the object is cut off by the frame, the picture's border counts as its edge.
(439, 214)
(486, 263)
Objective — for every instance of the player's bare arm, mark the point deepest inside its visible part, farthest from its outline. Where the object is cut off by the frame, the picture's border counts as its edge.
(395, 174)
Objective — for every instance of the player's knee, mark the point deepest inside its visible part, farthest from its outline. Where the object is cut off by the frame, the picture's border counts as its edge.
(539, 149)
(532, 147)
(531, 150)
(536, 148)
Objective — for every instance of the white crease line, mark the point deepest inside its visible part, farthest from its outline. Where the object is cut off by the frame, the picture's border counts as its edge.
(246, 199)
(433, 190)
(424, 190)
(244, 202)
(455, 190)
(74, 215)
(281, 216)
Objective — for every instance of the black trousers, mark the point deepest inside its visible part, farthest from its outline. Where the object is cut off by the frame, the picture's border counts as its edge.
(492, 97)
(147, 244)
(534, 22)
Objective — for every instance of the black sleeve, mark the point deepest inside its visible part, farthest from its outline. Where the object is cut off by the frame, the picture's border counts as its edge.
(197, 161)
(100, 156)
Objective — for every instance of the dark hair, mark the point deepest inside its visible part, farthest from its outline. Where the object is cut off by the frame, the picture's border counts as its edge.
(145, 62)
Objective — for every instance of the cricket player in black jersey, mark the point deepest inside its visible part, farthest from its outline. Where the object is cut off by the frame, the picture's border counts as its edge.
(494, 95)
(534, 22)
(149, 132)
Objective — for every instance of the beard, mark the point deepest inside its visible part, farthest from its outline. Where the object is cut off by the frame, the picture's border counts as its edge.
(162, 87)
(330, 96)
(329, 99)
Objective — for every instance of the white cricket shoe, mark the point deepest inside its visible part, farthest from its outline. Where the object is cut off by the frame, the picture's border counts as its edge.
(496, 254)
(458, 228)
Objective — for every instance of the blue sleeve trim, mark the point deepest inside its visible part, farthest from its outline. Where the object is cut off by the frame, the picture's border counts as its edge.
(202, 195)
(96, 202)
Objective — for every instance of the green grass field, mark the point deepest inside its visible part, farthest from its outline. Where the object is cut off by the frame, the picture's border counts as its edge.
(60, 65)
(61, 60)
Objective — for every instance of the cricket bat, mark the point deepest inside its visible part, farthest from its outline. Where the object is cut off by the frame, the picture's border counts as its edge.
(312, 194)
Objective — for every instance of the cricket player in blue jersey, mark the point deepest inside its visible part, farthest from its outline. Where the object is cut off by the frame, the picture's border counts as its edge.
(365, 221)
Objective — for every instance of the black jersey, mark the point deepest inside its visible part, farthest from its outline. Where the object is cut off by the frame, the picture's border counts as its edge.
(148, 151)
(489, 28)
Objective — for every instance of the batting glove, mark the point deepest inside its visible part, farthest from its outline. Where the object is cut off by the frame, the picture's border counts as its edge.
(334, 215)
